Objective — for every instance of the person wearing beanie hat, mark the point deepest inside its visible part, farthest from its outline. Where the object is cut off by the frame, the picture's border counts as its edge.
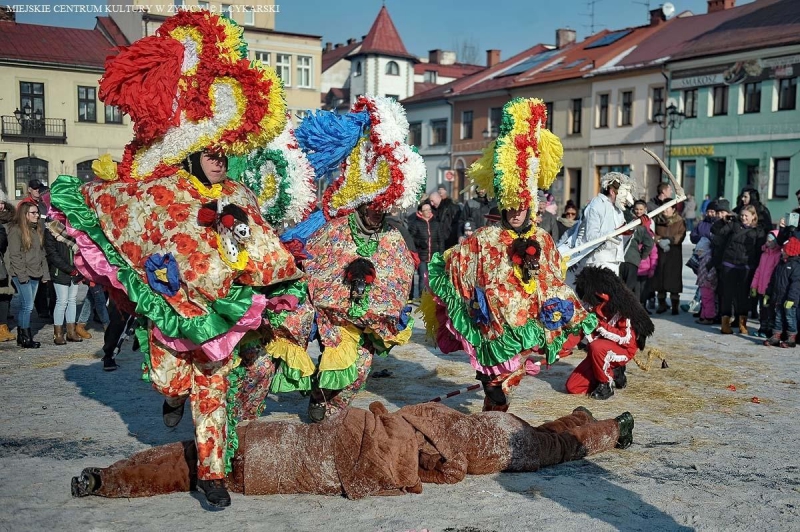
(770, 255)
(703, 228)
(783, 294)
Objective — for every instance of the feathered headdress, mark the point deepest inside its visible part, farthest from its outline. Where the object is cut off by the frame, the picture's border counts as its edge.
(525, 157)
(281, 177)
(368, 147)
(188, 88)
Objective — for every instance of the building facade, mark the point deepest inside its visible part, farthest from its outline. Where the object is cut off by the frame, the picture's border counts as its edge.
(296, 57)
(52, 120)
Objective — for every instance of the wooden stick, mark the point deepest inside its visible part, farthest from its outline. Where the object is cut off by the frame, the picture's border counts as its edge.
(679, 197)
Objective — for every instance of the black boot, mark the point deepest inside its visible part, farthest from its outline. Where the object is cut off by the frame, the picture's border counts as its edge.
(602, 392)
(215, 492)
(27, 339)
(791, 340)
(620, 380)
(172, 414)
(625, 430)
(109, 364)
(87, 483)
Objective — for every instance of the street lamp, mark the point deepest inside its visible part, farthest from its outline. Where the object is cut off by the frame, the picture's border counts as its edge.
(28, 124)
(672, 120)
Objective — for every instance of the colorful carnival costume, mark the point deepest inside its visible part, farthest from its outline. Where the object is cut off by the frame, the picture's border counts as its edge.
(168, 232)
(358, 268)
(501, 294)
(622, 330)
(368, 452)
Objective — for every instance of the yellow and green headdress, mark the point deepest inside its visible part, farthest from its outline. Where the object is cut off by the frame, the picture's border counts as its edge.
(524, 159)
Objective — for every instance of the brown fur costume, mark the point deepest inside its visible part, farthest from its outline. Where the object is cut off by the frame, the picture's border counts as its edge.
(366, 452)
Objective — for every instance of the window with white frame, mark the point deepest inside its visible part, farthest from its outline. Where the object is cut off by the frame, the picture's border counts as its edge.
(602, 111)
(113, 114)
(438, 132)
(576, 116)
(283, 66)
(415, 133)
(780, 181)
(752, 97)
(304, 71)
(431, 76)
(249, 16)
(495, 116)
(657, 102)
(392, 69)
(466, 125)
(357, 71)
(690, 103)
(549, 122)
(626, 109)
(720, 100)
(787, 94)
(87, 104)
(264, 57)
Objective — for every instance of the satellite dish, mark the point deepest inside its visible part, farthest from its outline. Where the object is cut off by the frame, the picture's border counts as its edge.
(668, 9)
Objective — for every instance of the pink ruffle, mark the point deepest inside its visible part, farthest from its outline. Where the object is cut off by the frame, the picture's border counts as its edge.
(220, 347)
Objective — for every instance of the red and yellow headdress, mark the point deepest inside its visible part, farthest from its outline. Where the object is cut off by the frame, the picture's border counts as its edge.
(525, 158)
(191, 87)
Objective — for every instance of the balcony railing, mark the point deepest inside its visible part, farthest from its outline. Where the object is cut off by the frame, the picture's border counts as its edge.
(45, 129)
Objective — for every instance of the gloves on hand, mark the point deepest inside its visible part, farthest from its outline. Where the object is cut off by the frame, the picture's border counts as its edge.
(664, 244)
(788, 304)
(645, 220)
(752, 292)
(765, 301)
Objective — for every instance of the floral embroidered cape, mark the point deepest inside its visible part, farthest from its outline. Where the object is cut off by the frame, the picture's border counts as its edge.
(131, 223)
(489, 308)
(384, 324)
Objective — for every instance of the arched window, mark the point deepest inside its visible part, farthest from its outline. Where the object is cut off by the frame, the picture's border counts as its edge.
(392, 69)
(26, 169)
(85, 172)
(358, 68)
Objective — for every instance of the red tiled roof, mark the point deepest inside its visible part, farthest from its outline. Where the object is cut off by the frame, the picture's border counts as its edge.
(761, 24)
(331, 58)
(384, 39)
(423, 86)
(456, 70)
(51, 44)
(579, 59)
(107, 25)
(428, 91)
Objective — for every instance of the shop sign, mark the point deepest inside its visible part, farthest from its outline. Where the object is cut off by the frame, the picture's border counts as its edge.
(749, 71)
(689, 151)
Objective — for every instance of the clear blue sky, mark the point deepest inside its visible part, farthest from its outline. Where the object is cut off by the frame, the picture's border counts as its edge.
(508, 25)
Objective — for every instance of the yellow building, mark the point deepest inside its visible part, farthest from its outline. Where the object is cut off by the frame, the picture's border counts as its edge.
(296, 57)
(52, 120)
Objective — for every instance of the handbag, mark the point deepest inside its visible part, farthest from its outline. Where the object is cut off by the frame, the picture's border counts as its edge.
(693, 263)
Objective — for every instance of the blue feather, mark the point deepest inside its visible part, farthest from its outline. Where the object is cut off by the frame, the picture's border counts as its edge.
(329, 138)
(303, 231)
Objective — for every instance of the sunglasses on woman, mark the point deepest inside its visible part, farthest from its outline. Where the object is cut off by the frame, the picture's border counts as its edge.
(570, 214)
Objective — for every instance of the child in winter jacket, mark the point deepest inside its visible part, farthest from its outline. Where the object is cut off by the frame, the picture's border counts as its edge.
(771, 254)
(784, 295)
(707, 282)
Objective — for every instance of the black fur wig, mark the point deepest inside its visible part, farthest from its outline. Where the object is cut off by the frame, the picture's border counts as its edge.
(592, 281)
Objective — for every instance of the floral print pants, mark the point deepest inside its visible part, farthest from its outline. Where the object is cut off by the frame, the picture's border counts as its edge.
(182, 375)
(341, 400)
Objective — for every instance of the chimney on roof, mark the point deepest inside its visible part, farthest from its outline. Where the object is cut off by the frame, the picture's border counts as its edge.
(657, 17)
(564, 36)
(351, 40)
(337, 45)
(720, 5)
(492, 57)
(7, 13)
(328, 46)
(363, 38)
(435, 56)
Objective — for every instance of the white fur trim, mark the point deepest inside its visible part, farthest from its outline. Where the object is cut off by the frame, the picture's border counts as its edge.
(621, 340)
(610, 357)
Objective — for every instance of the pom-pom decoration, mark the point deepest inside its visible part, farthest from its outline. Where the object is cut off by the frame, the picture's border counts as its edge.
(380, 170)
(188, 88)
(525, 157)
(282, 179)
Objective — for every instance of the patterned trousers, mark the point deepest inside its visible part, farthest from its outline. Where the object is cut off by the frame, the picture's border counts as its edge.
(338, 400)
(190, 375)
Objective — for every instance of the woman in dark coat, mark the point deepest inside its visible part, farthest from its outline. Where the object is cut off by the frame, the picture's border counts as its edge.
(736, 256)
(670, 234)
(6, 290)
(66, 280)
(750, 196)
